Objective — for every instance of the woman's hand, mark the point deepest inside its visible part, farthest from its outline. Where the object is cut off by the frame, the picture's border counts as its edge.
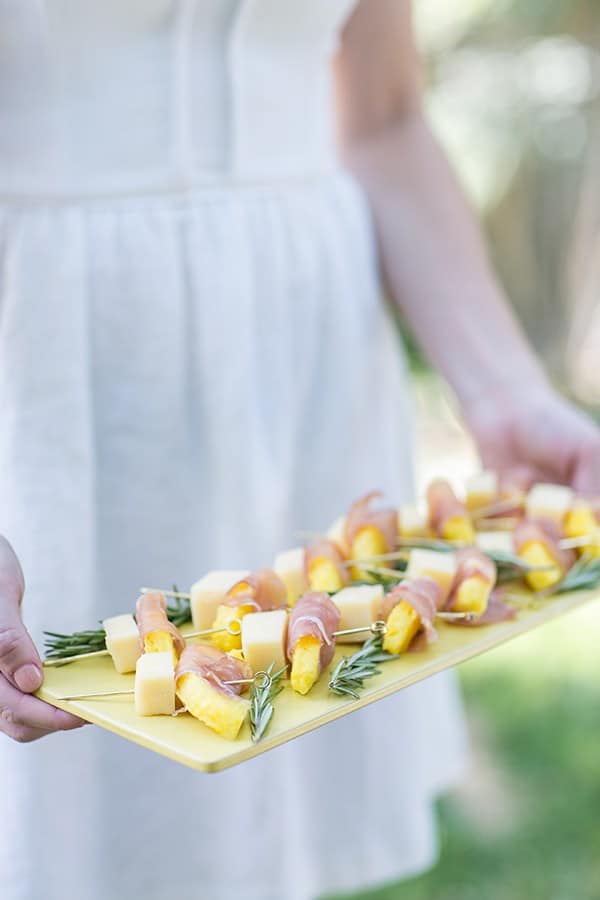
(537, 436)
(22, 717)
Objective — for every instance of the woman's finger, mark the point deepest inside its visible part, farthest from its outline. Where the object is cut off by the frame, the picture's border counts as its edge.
(19, 710)
(19, 660)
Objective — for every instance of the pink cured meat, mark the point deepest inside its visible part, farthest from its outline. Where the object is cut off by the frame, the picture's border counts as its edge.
(214, 666)
(424, 595)
(546, 532)
(471, 562)
(151, 616)
(328, 550)
(384, 520)
(264, 590)
(443, 505)
(314, 614)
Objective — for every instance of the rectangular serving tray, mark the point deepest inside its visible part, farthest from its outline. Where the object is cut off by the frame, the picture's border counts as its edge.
(185, 740)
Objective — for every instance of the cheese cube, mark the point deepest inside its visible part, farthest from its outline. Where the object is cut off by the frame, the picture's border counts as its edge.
(495, 540)
(123, 642)
(436, 564)
(289, 565)
(359, 607)
(264, 636)
(549, 501)
(412, 521)
(482, 490)
(337, 534)
(155, 685)
(209, 592)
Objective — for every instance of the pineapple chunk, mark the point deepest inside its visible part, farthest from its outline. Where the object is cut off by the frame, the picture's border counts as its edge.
(225, 615)
(403, 623)
(306, 664)
(289, 565)
(323, 575)
(412, 522)
(482, 490)
(459, 528)
(154, 690)
(437, 564)
(580, 521)
(160, 642)
(472, 595)
(368, 542)
(263, 639)
(359, 607)
(537, 554)
(549, 501)
(122, 642)
(224, 713)
(337, 534)
(209, 592)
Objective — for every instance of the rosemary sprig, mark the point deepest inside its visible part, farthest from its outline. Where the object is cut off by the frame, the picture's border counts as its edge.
(584, 575)
(58, 646)
(348, 676)
(261, 703)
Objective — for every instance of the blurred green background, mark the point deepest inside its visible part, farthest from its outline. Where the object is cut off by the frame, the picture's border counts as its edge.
(515, 98)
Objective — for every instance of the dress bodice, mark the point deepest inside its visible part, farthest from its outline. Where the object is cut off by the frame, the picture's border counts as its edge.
(107, 96)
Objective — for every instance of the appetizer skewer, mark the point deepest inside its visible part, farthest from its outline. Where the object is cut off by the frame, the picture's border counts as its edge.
(310, 641)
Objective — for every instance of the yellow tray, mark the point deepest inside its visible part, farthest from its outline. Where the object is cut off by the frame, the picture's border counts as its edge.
(187, 741)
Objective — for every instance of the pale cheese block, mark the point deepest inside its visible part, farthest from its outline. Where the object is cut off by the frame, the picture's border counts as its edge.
(549, 501)
(412, 521)
(482, 490)
(359, 607)
(289, 565)
(337, 534)
(154, 692)
(123, 642)
(209, 592)
(264, 636)
(437, 564)
(495, 540)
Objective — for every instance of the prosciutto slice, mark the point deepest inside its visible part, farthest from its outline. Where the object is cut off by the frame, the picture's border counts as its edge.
(264, 590)
(214, 666)
(546, 532)
(424, 595)
(326, 549)
(384, 520)
(151, 615)
(317, 615)
(472, 563)
(443, 505)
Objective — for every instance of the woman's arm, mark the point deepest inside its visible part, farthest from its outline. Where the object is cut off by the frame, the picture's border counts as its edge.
(435, 263)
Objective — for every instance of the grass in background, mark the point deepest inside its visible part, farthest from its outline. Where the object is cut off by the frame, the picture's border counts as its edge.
(527, 825)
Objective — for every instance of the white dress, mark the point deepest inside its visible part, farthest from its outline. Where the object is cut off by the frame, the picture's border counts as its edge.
(195, 364)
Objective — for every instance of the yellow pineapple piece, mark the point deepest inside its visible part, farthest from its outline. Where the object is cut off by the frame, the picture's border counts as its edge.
(581, 521)
(224, 713)
(368, 542)
(323, 575)
(237, 654)
(305, 664)
(537, 554)
(459, 528)
(225, 615)
(472, 595)
(403, 623)
(160, 642)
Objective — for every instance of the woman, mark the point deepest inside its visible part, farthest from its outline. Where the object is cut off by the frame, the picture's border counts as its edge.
(195, 364)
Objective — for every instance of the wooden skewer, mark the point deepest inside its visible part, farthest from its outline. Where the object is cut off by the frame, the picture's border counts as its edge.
(178, 594)
(376, 628)
(261, 679)
(233, 627)
(584, 540)
(499, 506)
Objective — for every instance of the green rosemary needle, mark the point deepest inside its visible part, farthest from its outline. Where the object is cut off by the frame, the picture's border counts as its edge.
(351, 671)
(261, 702)
(584, 575)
